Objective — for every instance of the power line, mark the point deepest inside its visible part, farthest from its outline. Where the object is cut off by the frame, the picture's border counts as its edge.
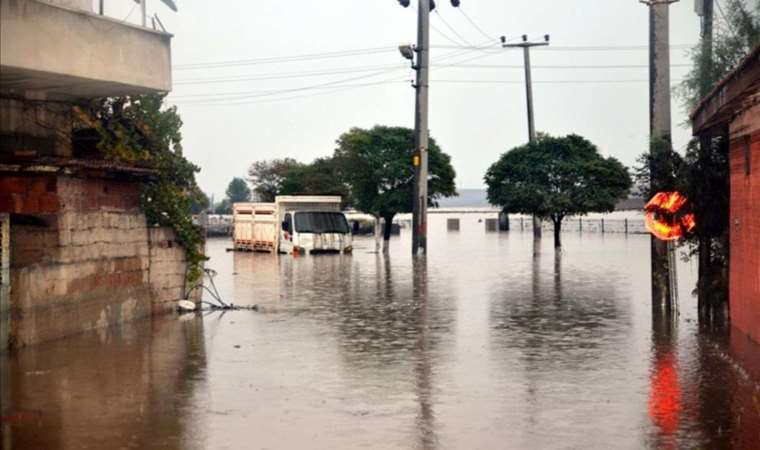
(286, 75)
(219, 98)
(456, 33)
(329, 90)
(286, 59)
(475, 25)
(729, 25)
(591, 48)
(345, 70)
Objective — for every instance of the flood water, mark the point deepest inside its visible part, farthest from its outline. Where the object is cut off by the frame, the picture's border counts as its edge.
(486, 343)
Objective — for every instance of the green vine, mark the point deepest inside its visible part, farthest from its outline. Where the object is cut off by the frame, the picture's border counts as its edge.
(136, 130)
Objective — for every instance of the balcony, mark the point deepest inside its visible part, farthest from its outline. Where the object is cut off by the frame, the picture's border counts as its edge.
(54, 52)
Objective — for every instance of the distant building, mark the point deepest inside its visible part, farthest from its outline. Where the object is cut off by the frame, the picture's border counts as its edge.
(76, 252)
(732, 109)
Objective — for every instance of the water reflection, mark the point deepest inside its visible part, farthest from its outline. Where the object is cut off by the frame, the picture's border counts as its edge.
(423, 371)
(665, 388)
(125, 389)
(491, 341)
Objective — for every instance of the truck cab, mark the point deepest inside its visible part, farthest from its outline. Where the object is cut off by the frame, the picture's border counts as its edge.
(312, 224)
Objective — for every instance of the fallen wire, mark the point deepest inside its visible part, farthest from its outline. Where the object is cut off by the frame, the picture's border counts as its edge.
(220, 304)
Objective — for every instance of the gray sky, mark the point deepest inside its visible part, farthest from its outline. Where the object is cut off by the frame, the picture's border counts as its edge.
(230, 124)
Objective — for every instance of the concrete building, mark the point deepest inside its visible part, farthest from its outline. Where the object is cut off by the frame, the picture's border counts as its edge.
(77, 251)
(732, 109)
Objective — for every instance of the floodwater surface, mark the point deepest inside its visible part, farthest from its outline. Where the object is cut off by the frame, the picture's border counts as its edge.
(488, 342)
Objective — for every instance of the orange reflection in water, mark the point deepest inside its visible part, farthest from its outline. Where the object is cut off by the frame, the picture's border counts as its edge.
(665, 395)
(664, 218)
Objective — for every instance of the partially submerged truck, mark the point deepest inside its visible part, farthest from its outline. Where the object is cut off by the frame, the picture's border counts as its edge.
(292, 225)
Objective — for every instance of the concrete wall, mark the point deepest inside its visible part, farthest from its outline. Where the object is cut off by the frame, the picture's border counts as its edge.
(744, 264)
(52, 52)
(167, 270)
(91, 263)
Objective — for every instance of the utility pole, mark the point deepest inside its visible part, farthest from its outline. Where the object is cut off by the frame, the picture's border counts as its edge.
(526, 46)
(421, 133)
(704, 9)
(662, 264)
(421, 130)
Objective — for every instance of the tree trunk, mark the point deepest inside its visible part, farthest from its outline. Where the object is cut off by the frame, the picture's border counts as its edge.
(377, 234)
(703, 277)
(387, 227)
(557, 230)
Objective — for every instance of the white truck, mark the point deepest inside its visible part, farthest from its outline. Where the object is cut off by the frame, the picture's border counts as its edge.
(292, 225)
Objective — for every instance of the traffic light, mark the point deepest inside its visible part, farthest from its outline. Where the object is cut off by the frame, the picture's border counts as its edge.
(455, 3)
(404, 3)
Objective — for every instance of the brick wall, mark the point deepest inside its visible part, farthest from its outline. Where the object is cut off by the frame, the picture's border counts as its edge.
(93, 263)
(744, 265)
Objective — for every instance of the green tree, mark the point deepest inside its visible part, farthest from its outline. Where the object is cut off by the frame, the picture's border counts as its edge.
(238, 191)
(704, 179)
(554, 177)
(703, 174)
(223, 207)
(199, 204)
(738, 34)
(267, 177)
(376, 165)
(321, 177)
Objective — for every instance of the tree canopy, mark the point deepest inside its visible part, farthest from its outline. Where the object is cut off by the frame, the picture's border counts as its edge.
(376, 165)
(267, 177)
(554, 177)
(238, 191)
(738, 34)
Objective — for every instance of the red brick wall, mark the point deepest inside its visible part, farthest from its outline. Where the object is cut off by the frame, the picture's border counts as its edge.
(744, 275)
(28, 194)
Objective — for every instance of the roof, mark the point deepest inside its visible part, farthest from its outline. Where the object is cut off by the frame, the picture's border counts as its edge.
(729, 95)
(87, 167)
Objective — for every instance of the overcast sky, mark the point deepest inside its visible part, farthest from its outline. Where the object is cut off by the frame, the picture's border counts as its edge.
(259, 104)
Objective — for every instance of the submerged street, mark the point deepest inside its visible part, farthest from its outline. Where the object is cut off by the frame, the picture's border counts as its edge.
(482, 345)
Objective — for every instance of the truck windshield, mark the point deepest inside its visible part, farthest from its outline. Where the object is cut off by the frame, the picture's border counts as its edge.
(321, 222)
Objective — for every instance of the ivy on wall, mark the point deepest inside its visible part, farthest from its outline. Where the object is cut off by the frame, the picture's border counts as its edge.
(136, 130)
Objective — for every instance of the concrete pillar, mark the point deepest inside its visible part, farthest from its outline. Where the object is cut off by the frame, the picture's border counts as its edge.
(452, 224)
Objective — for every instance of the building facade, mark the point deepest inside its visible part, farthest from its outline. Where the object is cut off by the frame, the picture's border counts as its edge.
(732, 110)
(80, 254)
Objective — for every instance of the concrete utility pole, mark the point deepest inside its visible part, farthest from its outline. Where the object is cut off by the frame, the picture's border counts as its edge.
(526, 46)
(663, 272)
(421, 132)
(704, 9)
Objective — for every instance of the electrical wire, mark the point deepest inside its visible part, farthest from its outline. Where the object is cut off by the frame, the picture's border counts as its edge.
(236, 97)
(456, 33)
(240, 95)
(286, 59)
(729, 25)
(475, 25)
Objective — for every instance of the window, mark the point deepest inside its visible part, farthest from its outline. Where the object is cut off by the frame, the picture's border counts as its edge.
(288, 225)
(321, 222)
